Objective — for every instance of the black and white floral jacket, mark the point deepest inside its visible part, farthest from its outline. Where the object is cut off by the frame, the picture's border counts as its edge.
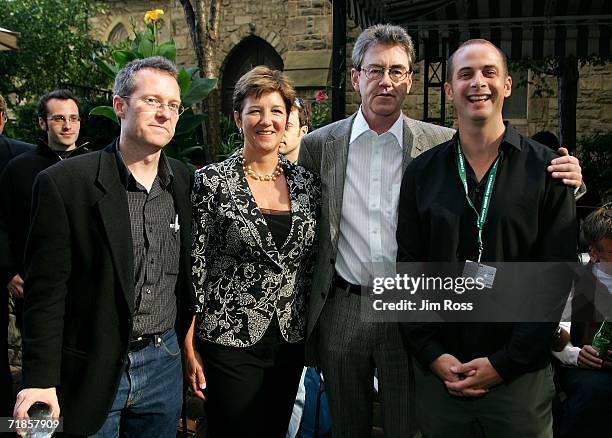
(242, 280)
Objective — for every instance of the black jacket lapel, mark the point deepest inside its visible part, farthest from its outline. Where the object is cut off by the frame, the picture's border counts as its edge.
(115, 216)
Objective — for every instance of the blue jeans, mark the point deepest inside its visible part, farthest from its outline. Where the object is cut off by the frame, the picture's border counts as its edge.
(150, 394)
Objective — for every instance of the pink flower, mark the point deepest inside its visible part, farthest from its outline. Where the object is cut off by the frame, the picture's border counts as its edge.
(320, 96)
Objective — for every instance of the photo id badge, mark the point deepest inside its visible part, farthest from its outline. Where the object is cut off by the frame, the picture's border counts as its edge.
(478, 270)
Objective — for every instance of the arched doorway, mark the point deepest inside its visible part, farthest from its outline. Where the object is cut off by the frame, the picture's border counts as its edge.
(250, 52)
(118, 34)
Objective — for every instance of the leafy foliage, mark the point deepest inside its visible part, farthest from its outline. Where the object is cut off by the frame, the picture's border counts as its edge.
(596, 160)
(54, 47)
(321, 110)
(193, 88)
(230, 136)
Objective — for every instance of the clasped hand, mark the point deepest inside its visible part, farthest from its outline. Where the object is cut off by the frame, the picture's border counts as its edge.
(471, 379)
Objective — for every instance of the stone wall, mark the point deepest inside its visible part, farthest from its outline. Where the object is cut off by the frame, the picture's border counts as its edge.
(594, 106)
(306, 25)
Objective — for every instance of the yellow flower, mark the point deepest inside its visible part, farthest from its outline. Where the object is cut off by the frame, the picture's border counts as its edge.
(153, 15)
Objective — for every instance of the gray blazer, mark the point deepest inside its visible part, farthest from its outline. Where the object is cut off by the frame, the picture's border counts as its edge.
(325, 152)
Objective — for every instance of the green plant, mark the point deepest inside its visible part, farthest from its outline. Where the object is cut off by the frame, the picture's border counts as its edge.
(193, 88)
(321, 110)
(55, 47)
(230, 136)
(596, 161)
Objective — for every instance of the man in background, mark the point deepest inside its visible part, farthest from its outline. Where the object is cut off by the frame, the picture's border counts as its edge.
(298, 126)
(58, 117)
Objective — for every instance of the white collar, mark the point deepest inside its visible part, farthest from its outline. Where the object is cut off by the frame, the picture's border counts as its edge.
(360, 125)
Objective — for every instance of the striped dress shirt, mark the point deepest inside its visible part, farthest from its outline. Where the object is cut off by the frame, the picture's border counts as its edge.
(368, 219)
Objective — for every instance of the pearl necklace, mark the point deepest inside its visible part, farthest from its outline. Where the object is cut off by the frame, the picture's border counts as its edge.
(248, 170)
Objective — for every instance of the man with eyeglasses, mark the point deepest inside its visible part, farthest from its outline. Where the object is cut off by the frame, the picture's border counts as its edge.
(58, 116)
(107, 278)
(361, 161)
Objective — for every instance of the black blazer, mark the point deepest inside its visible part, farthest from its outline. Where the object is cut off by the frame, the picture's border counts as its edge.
(10, 148)
(242, 279)
(79, 284)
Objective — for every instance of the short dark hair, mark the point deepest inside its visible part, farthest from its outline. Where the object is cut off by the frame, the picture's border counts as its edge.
(449, 63)
(260, 80)
(124, 81)
(382, 34)
(61, 94)
(547, 138)
(597, 226)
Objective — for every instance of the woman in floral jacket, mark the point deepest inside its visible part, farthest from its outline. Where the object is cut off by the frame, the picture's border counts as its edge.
(254, 229)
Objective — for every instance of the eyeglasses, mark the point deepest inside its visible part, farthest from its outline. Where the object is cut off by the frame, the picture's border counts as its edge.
(375, 72)
(73, 118)
(155, 104)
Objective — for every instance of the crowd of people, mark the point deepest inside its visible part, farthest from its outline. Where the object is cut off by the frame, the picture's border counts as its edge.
(136, 275)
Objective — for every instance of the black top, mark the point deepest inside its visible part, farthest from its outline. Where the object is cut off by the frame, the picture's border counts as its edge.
(279, 224)
(156, 243)
(10, 148)
(15, 202)
(531, 218)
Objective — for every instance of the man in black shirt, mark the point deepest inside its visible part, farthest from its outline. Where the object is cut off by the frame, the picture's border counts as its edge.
(491, 379)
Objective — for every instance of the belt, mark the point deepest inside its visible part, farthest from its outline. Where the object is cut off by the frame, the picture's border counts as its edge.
(341, 283)
(143, 341)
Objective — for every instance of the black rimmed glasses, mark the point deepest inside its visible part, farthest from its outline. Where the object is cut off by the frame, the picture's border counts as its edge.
(376, 72)
(154, 104)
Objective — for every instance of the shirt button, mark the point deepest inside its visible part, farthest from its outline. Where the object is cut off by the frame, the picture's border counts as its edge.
(147, 290)
(152, 261)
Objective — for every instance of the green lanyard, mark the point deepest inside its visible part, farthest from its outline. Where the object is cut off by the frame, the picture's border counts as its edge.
(486, 200)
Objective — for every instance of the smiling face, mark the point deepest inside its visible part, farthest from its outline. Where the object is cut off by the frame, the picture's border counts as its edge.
(382, 99)
(140, 123)
(263, 120)
(479, 84)
(61, 135)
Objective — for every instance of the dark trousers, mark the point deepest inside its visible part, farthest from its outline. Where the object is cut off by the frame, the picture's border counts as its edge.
(251, 390)
(518, 408)
(587, 409)
(349, 351)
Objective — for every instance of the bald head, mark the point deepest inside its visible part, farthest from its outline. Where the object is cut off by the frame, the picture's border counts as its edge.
(449, 63)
